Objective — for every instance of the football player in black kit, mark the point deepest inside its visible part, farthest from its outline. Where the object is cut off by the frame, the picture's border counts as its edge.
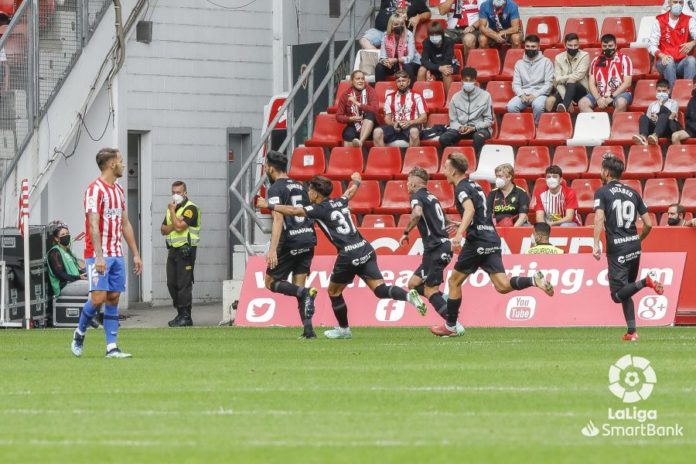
(427, 214)
(355, 254)
(292, 241)
(617, 207)
(482, 247)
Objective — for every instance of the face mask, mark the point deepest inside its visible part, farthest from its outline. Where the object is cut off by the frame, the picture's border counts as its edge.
(673, 221)
(531, 53)
(398, 30)
(436, 39)
(64, 240)
(177, 199)
(572, 51)
(498, 3)
(677, 9)
(468, 86)
(662, 95)
(552, 182)
(500, 182)
(609, 52)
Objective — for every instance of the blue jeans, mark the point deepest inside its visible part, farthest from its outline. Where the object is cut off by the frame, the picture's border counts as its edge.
(686, 69)
(516, 105)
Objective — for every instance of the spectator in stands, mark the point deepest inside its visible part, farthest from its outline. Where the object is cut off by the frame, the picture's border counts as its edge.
(415, 11)
(675, 216)
(437, 59)
(357, 108)
(462, 22)
(689, 7)
(404, 114)
(610, 79)
(65, 271)
(660, 120)
(398, 51)
(500, 24)
(532, 80)
(470, 114)
(690, 119)
(508, 202)
(558, 204)
(569, 76)
(541, 244)
(669, 43)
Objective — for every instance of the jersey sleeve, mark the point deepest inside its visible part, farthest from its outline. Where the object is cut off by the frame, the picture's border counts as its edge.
(640, 206)
(538, 204)
(416, 201)
(315, 211)
(275, 196)
(93, 201)
(523, 202)
(514, 12)
(190, 215)
(571, 199)
(599, 200)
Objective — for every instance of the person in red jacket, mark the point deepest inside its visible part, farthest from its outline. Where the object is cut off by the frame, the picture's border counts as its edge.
(357, 108)
(671, 45)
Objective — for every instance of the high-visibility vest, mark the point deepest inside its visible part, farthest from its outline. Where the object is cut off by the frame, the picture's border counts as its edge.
(190, 236)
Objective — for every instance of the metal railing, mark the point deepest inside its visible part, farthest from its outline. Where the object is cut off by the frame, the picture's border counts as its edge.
(243, 234)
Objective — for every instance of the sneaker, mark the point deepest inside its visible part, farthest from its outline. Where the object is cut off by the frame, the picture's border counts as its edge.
(309, 307)
(338, 333)
(541, 282)
(415, 299)
(652, 139)
(628, 337)
(561, 108)
(116, 353)
(652, 282)
(444, 331)
(459, 328)
(639, 140)
(78, 342)
(308, 335)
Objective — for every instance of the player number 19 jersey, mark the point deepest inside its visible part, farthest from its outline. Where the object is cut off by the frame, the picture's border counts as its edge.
(622, 206)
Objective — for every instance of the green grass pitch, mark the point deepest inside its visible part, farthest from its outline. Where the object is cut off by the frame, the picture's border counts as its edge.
(388, 396)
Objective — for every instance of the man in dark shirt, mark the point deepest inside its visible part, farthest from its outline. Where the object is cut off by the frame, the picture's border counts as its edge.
(617, 207)
(355, 254)
(437, 58)
(507, 202)
(416, 12)
(482, 247)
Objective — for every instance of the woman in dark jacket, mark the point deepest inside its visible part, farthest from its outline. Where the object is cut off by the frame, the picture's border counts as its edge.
(690, 130)
(437, 60)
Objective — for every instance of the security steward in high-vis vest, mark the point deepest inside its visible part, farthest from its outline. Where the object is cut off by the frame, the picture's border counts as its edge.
(542, 245)
(182, 228)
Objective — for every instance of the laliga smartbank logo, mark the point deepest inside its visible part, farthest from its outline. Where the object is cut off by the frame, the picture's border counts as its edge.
(632, 380)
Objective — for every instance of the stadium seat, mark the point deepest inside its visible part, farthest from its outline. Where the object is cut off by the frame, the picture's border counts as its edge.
(512, 56)
(403, 221)
(622, 27)
(378, 221)
(571, 160)
(594, 52)
(653, 220)
(327, 131)
(598, 155)
(433, 93)
(634, 184)
(343, 162)
(501, 93)
(643, 162)
(531, 162)
(623, 127)
(551, 53)
(425, 157)
(591, 129)
(366, 198)
(459, 56)
(679, 161)
(585, 189)
(643, 95)
(554, 129)
(486, 61)
(521, 183)
(516, 129)
(681, 92)
(688, 195)
(444, 193)
(585, 28)
(342, 88)
(396, 198)
(383, 89)
(641, 63)
(435, 119)
(337, 189)
(644, 28)
(663, 219)
(658, 194)
(307, 162)
(383, 163)
(466, 151)
(547, 28)
(491, 157)
(454, 88)
(589, 219)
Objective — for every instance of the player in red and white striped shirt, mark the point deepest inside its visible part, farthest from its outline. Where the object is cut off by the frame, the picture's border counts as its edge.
(106, 222)
(405, 113)
(610, 79)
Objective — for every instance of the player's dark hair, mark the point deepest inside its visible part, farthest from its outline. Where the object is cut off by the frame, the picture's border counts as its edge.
(662, 83)
(571, 36)
(105, 155)
(277, 160)
(553, 169)
(469, 72)
(606, 38)
(542, 228)
(532, 38)
(179, 183)
(399, 74)
(613, 165)
(322, 185)
(680, 209)
(458, 161)
(420, 173)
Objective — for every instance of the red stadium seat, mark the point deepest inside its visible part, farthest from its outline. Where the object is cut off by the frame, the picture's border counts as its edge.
(327, 131)
(531, 162)
(688, 196)
(307, 162)
(337, 190)
(597, 156)
(444, 192)
(383, 163)
(396, 198)
(547, 28)
(679, 161)
(378, 221)
(658, 194)
(512, 56)
(501, 93)
(585, 28)
(641, 63)
(643, 162)
(522, 183)
(643, 95)
(552, 53)
(622, 27)
(459, 56)
(486, 61)
(589, 219)
(623, 127)
(653, 220)
(425, 157)
(554, 129)
(366, 198)
(585, 189)
(571, 160)
(342, 88)
(681, 92)
(663, 219)
(634, 184)
(382, 89)
(517, 129)
(433, 93)
(454, 88)
(466, 151)
(343, 162)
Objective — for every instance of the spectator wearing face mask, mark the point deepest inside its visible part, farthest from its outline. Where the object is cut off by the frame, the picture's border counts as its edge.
(690, 119)
(660, 120)
(675, 216)
(532, 80)
(610, 79)
(508, 202)
(437, 59)
(462, 22)
(558, 204)
(500, 24)
(470, 114)
(398, 52)
(415, 11)
(66, 272)
(670, 45)
(689, 7)
(570, 76)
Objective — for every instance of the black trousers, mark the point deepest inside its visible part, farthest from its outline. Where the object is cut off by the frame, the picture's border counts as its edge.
(180, 264)
(573, 93)
(381, 71)
(663, 127)
(452, 137)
